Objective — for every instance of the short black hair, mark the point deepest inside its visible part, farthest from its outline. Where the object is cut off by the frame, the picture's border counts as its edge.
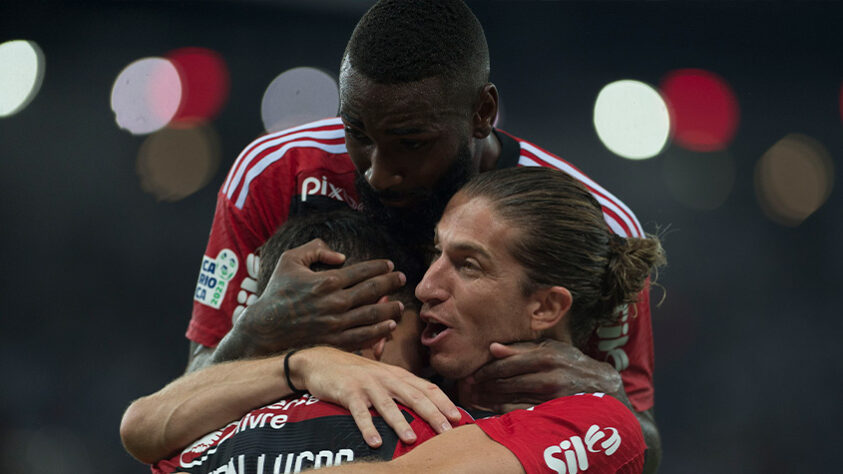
(348, 232)
(400, 41)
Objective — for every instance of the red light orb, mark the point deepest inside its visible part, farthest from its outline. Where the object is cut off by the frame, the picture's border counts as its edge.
(205, 83)
(703, 108)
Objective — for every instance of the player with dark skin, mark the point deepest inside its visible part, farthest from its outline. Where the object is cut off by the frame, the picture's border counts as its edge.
(405, 139)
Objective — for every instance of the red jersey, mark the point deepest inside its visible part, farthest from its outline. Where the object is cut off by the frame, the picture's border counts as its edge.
(592, 432)
(307, 167)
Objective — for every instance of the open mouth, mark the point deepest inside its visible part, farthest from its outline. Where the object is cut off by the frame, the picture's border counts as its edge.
(433, 333)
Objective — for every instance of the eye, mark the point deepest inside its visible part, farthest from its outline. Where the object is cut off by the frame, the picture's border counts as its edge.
(436, 253)
(413, 144)
(356, 135)
(469, 266)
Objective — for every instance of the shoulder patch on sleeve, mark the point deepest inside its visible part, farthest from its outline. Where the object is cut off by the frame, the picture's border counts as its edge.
(214, 276)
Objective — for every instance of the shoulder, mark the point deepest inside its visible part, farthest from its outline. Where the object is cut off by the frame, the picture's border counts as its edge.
(285, 154)
(588, 429)
(618, 215)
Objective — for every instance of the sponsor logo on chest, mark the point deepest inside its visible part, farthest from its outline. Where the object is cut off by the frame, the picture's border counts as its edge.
(322, 186)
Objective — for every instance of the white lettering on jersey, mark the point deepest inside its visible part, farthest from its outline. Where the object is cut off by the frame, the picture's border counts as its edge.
(259, 420)
(214, 277)
(314, 186)
(199, 452)
(295, 462)
(290, 463)
(575, 449)
(611, 339)
(248, 287)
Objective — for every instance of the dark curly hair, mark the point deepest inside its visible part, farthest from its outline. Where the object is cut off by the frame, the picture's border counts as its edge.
(400, 41)
(348, 232)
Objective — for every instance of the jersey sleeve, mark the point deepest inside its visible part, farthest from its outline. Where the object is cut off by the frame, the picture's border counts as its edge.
(582, 432)
(294, 171)
(628, 346)
(250, 206)
(228, 273)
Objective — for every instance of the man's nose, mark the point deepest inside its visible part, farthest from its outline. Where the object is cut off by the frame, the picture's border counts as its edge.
(430, 288)
(380, 175)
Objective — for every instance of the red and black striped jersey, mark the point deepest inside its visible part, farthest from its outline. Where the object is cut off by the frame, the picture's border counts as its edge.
(586, 432)
(291, 435)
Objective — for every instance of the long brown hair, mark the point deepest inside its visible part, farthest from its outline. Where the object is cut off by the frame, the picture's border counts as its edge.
(564, 241)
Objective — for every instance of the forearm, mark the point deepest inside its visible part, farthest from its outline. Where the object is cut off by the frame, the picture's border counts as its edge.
(239, 343)
(652, 438)
(460, 451)
(157, 425)
(236, 345)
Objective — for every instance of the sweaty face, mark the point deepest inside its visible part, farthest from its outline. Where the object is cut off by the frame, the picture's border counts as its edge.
(472, 295)
(405, 140)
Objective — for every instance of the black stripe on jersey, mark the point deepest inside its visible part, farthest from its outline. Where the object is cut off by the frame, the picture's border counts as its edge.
(299, 442)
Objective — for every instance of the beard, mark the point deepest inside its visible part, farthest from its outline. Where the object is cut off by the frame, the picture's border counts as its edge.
(413, 225)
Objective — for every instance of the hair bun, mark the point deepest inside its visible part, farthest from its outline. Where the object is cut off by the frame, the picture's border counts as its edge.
(630, 261)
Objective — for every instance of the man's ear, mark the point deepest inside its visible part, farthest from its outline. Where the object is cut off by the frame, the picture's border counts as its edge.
(377, 349)
(550, 305)
(485, 111)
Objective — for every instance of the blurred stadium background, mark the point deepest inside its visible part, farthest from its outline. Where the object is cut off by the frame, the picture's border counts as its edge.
(720, 124)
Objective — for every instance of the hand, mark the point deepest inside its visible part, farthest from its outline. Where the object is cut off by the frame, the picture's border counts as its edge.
(302, 307)
(358, 384)
(524, 374)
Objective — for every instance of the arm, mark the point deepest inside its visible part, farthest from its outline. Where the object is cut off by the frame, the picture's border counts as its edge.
(651, 436)
(301, 307)
(466, 449)
(157, 425)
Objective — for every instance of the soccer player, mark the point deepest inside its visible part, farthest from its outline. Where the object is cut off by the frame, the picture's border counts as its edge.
(524, 254)
(416, 121)
(516, 262)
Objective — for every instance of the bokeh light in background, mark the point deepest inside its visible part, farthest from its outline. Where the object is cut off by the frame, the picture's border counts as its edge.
(793, 179)
(21, 75)
(298, 96)
(204, 83)
(146, 95)
(699, 181)
(175, 162)
(631, 119)
(704, 111)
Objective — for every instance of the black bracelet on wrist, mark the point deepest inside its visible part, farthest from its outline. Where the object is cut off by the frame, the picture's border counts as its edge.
(287, 373)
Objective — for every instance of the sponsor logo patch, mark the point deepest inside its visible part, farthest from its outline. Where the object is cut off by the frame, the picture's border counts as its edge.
(322, 186)
(572, 455)
(214, 277)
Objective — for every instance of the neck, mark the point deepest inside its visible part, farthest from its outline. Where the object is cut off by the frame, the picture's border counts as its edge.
(465, 394)
(488, 150)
